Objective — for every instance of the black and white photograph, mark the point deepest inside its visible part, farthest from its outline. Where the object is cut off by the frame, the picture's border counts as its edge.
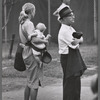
(49, 49)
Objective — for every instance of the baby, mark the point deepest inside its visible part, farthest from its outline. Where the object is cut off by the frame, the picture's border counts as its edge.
(40, 28)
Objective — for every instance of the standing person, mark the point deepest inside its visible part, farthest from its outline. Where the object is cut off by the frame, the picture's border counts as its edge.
(26, 32)
(71, 61)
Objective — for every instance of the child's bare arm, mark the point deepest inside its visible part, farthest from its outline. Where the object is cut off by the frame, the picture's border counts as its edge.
(48, 37)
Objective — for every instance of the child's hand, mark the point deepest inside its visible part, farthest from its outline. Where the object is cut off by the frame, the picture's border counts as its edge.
(48, 36)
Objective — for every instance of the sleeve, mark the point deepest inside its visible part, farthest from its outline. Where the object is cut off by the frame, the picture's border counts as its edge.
(29, 28)
(68, 39)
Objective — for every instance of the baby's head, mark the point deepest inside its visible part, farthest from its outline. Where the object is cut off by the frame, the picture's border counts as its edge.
(41, 27)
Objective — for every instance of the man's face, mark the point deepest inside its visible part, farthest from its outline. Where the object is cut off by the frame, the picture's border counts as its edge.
(69, 20)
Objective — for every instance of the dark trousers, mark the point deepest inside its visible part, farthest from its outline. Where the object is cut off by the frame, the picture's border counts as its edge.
(71, 84)
(71, 88)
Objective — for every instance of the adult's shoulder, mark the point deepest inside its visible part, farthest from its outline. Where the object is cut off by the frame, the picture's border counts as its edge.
(64, 31)
(28, 23)
(28, 26)
(64, 27)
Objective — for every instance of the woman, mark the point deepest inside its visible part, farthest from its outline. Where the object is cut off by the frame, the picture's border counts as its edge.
(26, 33)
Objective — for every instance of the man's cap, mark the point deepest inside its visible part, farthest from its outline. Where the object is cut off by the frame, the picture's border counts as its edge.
(63, 5)
(64, 12)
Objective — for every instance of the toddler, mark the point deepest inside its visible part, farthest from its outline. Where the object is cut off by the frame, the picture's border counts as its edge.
(40, 28)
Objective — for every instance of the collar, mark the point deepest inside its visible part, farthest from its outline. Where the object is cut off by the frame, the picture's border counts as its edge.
(67, 26)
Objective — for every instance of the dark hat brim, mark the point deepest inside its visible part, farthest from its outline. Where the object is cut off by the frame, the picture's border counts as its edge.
(65, 12)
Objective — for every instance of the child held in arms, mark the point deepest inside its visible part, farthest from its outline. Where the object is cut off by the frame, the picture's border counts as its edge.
(40, 29)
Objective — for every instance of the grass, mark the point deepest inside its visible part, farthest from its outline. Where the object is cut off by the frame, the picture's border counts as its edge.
(12, 79)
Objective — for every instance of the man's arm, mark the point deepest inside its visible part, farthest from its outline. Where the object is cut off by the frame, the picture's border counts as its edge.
(77, 41)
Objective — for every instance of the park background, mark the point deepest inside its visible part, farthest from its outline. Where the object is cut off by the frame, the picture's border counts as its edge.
(86, 21)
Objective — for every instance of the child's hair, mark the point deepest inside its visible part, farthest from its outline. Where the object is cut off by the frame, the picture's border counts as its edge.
(41, 27)
(28, 8)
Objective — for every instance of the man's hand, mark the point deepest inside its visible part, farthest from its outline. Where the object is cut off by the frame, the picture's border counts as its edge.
(77, 41)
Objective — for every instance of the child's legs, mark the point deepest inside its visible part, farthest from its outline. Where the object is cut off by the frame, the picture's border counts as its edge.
(37, 58)
(33, 94)
(27, 93)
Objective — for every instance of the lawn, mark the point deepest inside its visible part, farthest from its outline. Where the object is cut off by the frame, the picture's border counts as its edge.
(12, 79)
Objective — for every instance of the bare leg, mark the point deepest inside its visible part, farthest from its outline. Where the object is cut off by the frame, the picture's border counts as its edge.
(27, 93)
(33, 94)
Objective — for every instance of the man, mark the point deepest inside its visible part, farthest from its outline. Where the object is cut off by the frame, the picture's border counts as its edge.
(71, 61)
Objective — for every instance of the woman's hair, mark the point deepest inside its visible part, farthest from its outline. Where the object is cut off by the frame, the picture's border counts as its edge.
(27, 8)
